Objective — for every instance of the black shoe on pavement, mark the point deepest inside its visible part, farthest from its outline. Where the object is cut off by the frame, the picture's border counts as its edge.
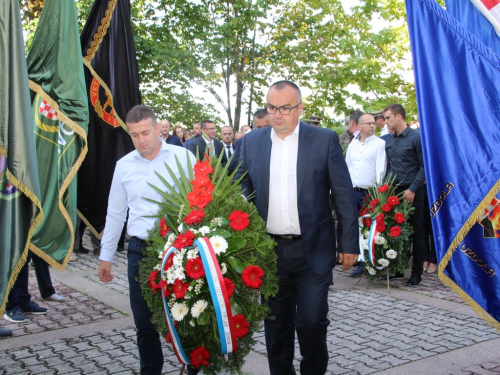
(359, 271)
(82, 250)
(15, 315)
(4, 332)
(414, 280)
(120, 248)
(396, 276)
(32, 308)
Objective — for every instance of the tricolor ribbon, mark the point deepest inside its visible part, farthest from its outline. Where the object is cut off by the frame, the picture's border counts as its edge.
(220, 300)
(371, 242)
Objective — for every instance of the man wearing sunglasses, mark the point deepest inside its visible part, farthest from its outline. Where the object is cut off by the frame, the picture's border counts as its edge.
(292, 167)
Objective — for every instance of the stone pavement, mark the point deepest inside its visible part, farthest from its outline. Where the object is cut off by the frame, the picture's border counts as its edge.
(419, 330)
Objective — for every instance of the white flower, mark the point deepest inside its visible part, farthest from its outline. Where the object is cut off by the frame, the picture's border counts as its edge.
(160, 254)
(193, 253)
(391, 254)
(179, 273)
(192, 323)
(365, 244)
(177, 261)
(219, 244)
(194, 231)
(223, 268)
(204, 230)
(371, 271)
(367, 234)
(170, 240)
(217, 221)
(383, 262)
(379, 240)
(170, 275)
(179, 311)
(198, 308)
(180, 228)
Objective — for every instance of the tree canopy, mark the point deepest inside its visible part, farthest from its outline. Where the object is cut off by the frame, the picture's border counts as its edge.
(195, 55)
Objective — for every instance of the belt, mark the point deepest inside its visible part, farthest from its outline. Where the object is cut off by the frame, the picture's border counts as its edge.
(286, 237)
(360, 189)
(137, 239)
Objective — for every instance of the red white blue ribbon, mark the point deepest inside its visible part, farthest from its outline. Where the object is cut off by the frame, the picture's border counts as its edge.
(178, 350)
(220, 300)
(371, 243)
(219, 295)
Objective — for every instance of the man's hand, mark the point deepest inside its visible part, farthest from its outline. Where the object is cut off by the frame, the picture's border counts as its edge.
(347, 260)
(105, 271)
(409, 195)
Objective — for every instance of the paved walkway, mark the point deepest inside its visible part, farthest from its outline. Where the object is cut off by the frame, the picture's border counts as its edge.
(419, 330)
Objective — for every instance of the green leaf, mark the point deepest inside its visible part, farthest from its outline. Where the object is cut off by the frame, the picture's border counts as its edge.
(235, 244)
(237, 264)
(204, 318)
(183, 327)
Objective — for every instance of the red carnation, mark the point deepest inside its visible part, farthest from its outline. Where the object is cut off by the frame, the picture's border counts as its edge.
(229, 287)
(164, 229)
(383, 188)
(194, 217)
(395, 231)
(153, 276)
(252, 276)
(199, 356)
(380, 227)
(386, 207)
(393, 200)
(399, 218)
(169, 262)
(368, 222)
(241, 326)
(180, 288)
(363, 211)
(184, 240)
(202, 168)
(380, 218)
(238, 220)
(367, 196)
(165, 288)
(374, 202)
(194, 268)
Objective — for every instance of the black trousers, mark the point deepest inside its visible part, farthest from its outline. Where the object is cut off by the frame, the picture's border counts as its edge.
(301, 305)
(417, 220)
(43, 276)
(148, 339)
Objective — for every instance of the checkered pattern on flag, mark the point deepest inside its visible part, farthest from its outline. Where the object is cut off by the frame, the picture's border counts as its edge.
(47, 111)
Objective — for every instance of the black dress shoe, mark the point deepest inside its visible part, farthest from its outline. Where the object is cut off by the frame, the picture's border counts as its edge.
(396, 276)
(4, 332)
(359, 271)
(82, 250)
(414, 280)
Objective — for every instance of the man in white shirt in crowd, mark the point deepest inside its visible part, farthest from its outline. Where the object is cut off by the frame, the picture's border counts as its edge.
(130, 186)
(380, 121)
(366, 161)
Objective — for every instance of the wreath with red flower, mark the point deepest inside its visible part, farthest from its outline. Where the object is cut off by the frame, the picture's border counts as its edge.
(206, 204)
(391, 239)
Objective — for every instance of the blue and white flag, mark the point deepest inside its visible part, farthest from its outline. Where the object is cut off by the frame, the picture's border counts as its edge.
(458, 95)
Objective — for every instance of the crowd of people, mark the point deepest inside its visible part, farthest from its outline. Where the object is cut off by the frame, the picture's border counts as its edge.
(297, 172)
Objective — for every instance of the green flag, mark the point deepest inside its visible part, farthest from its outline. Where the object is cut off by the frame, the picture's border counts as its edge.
(59, 106)
(20, 208)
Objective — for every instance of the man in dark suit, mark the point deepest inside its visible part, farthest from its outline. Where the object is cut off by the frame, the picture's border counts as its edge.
(208, 139)
(292, 167)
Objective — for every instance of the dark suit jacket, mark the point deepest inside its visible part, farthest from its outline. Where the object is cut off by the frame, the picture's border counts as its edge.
(321, 168)
(236, 156)
(174, 140)
(200, 145)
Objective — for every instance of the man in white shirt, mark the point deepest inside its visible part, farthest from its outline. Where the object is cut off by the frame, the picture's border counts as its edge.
(380, 121)
(292, 167)
(128, 190)
(366, 161)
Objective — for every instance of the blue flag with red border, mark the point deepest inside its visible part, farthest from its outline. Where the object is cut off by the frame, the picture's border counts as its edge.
(458, 97)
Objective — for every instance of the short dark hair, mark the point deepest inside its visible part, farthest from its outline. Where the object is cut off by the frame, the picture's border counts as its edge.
(397, 109)
(355, 115)
(205, 122)
(260, 114)
(280, 85)
(139, 113)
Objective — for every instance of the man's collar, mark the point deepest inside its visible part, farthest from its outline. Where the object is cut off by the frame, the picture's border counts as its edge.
(295, 131)
(163, 147)
(404, 133)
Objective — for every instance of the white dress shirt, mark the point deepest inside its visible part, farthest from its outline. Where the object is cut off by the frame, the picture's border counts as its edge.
(366, 161)
(283, 215)
(384, 130)
(227, 149)
(130, 187)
